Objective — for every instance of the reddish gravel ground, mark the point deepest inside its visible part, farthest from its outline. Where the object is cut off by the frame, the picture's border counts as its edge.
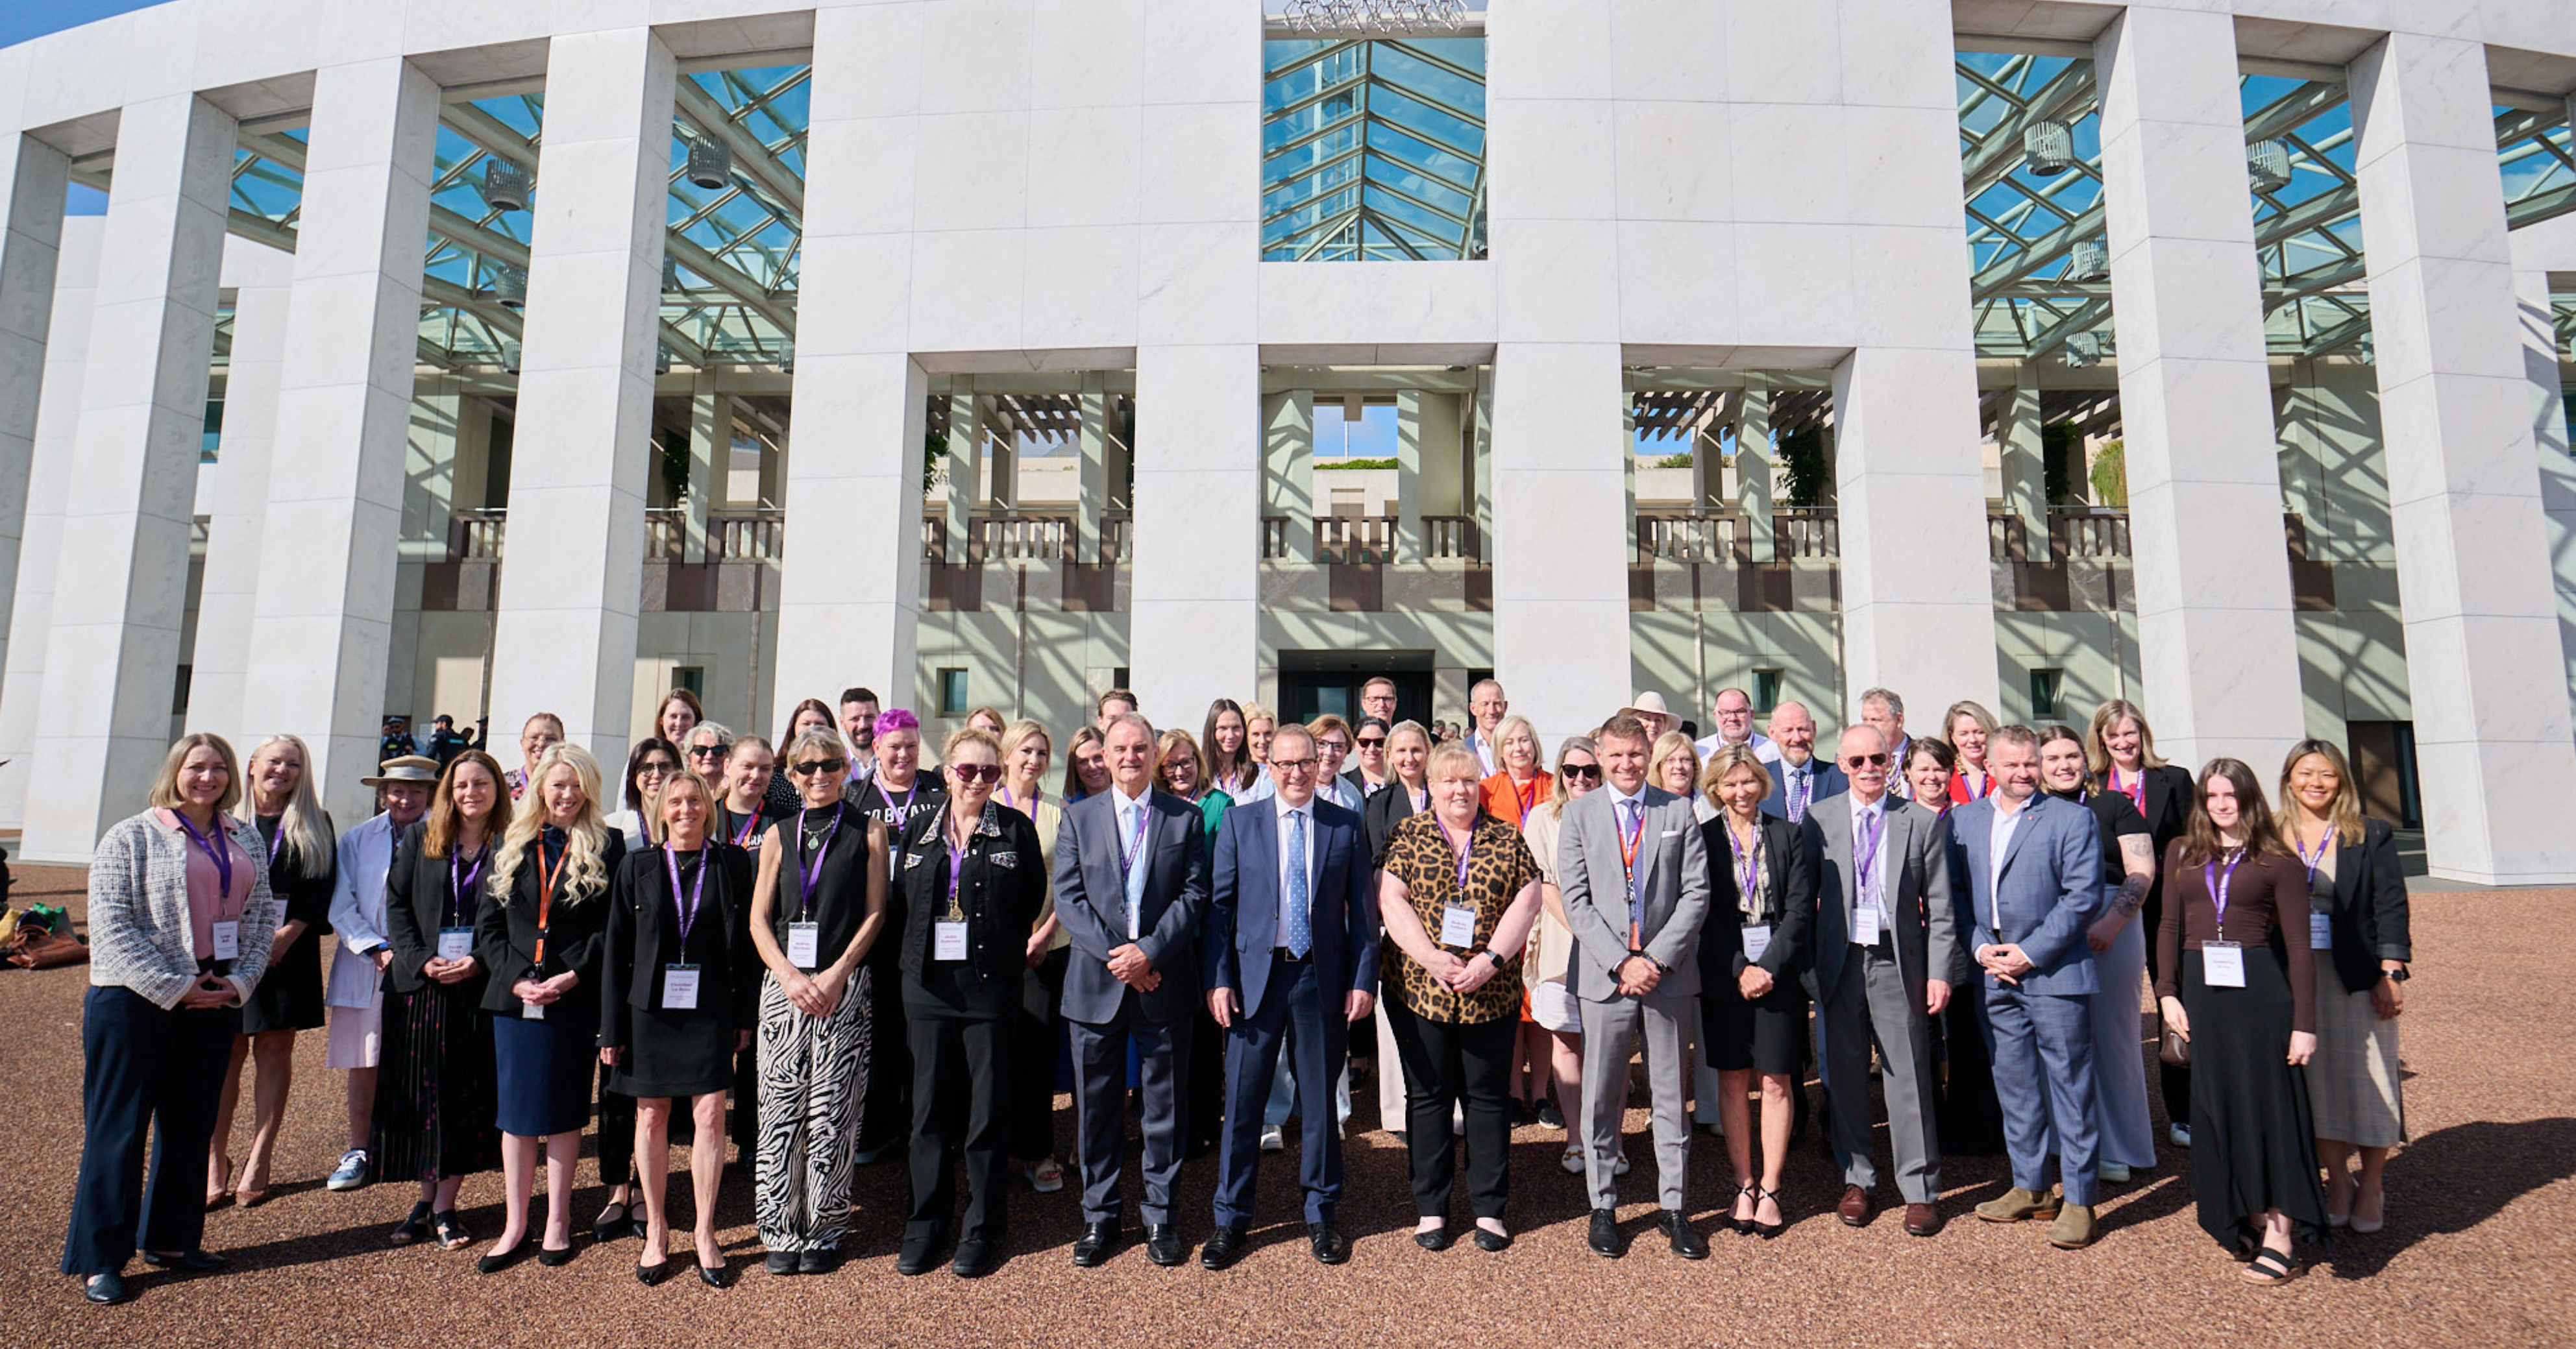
(2470, 1255)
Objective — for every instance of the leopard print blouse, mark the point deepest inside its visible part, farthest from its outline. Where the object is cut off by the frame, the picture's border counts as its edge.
(1499, 866)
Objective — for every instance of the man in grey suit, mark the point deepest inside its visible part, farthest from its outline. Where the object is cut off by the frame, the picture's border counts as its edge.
(1131, 888)
(2034, 868)
(1634, 876)
(1886, 948)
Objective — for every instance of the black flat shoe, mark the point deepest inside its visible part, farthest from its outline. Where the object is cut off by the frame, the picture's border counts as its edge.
(606, 1229)
(107, 1289)
(781, 1263)
(1098, 1242)
(651, 1276)
(1163, 1244)
(1223, 1245)
(192, 1262)
(818, 1260)
(553, 1259)
(494, 1264)
(719, 1276)
(1604, 1237)
(1330, 1247)
(1436, 1239)
(975, 1259)
(919, 1255)
(1488, 1240)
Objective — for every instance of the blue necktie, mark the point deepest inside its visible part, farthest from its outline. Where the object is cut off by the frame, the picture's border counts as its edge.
(1300, 923)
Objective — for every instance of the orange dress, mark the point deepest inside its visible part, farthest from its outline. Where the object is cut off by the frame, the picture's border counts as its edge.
(1511, 804)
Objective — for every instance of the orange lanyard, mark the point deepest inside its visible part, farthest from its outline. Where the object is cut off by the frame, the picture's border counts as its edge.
(546, 895)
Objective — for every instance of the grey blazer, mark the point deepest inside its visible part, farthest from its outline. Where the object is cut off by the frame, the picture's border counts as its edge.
(1594, 886)
(140, 937)
(1926, 928)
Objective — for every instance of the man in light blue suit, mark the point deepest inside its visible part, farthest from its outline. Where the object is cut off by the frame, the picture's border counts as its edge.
(2033, 863)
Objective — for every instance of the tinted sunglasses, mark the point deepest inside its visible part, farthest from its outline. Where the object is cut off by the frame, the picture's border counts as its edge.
(976, 772)
(1866, 761)
(1581, 772)
(812, 766)
(706, 751)
(1371, 741)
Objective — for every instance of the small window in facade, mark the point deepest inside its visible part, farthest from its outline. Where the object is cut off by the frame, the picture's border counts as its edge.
(1766, 691)
(2043, 692)
(690, 677)
(952, 692)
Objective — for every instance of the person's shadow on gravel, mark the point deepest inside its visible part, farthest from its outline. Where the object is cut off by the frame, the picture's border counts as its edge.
(2453, 1179)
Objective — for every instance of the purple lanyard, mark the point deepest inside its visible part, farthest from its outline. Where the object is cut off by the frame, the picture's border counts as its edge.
(1872, 831)
(902, 809)
(2136, 791)
(2217, 881)
(810, 874)
(2312, 862)
(461, 885)
(222, 857)
(1466, 851)
(1748, 866)
(956, 863)
(1134, 847)
(697, 891)
(277, 844)
(749, 835)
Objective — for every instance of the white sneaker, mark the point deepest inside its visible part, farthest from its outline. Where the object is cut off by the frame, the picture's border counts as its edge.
(2111, 1173)
(1273, 1138)
(1047, 1176)
(2179, 1135)
(351, 1174)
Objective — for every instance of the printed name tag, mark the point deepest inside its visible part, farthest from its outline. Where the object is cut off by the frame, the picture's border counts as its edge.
(2320, 932)
(804, 944)
(1757, 939)
(679, 988)
(455, 943)
(532, 1011)
(2222, 964)
(1457, 925)
(227, 939)
(948, 939)
(1865, 926)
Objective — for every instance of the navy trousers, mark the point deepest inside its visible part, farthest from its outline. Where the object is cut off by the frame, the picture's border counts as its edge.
(1316, 1049)
(144, 1071)
(2042, 1046)
(1100, 1104)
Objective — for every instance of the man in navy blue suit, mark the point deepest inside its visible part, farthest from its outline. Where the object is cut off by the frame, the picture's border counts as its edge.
(1290, 950)
(1798, 778)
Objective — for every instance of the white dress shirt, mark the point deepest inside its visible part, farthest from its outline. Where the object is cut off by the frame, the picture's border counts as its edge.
(1307, 813)
(1127, 810)
(1484, 752)
(2007, 819)
(1764, 747)
(1874, 885)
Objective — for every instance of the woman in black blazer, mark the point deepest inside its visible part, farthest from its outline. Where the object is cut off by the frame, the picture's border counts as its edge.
(435, 1082)
(677, 986)
(2357, 913)
(541, 938)
(1753, 1010)
(1407, 791)
(969, 881)
(2120, 751)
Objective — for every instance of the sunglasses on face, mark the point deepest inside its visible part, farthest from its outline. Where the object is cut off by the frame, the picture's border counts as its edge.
(976, 772)
(1581, 772)
(1859, 761)
(813, 766)
(658, 766)
(1371, 741)
(706, 751)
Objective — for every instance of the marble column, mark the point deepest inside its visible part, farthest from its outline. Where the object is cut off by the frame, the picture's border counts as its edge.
(570, 581)
(323, 627)
(1754, 462)
(1561, 611)
(1412, 432)
(237, 495)
(2218, 652)
(964, 467)
(111, 661)
(2540, 357)
(49, 473)
(33, 174)
(1091, 492)
(710, 445)
(2465, 502)
(2023, 455)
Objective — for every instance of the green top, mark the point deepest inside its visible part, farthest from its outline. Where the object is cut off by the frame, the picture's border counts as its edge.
(1212, 810)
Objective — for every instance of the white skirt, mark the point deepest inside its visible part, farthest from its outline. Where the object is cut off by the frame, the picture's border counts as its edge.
(1554, 1006)
(357, 1035)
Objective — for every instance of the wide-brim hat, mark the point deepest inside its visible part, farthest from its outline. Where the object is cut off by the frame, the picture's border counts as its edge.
(1649, 701)
(405, 768)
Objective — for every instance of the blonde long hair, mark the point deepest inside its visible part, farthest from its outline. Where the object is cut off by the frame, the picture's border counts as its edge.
(585, 872)
(302, 823)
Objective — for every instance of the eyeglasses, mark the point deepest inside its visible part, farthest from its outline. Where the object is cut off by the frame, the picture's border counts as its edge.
(1335, 746)
(976, 772)
(1371, 741)
(1581, 772)
(1858, 761)
(1306, 765)
(813, 766)
(657, 766)
(706, 751)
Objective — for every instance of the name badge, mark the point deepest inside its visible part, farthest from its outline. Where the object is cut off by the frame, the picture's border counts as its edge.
(2222, 964)
(1757, 939)
(227, 939)
(679, 988)
(948, 939)
(455, 943)
(1865, 926)
(532, 1011)
(1457, 925)
(804, 944)
(2320, 932)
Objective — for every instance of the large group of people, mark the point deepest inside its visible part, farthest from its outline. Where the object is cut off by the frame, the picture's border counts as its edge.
(874, 959)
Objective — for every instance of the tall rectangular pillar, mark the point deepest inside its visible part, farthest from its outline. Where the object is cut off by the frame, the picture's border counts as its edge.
(33, 175)
(2217, 650)
(2548, 395)
(237, 495)
(2023, 452)
(1194, 622)
(1417, 416)
(322, 630)
(1091, 479)
(850, 579)
(1288, 468)
(1754, 455)
(965, 465)
(111, 661)
(2472, 555)
(570, 580)
(1560, 446)
(710, 443)
(49, 473)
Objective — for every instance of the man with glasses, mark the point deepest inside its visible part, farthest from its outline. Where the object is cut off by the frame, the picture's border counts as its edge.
(1291, 958)
(1370, 777)
(1886, 943)
(1733, 713)
(1377, 699)
(1131, 887)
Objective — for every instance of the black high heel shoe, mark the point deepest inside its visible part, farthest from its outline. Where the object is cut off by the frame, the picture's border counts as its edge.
(1743, 1226)
(606, 1229)
(719, 1276)
(1764, 1230)
(494, 1264)
(651, 1276)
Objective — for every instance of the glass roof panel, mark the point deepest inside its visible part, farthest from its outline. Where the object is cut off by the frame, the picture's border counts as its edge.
(1373, 149)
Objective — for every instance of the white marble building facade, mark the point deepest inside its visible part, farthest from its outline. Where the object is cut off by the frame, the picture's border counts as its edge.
(1074, 185)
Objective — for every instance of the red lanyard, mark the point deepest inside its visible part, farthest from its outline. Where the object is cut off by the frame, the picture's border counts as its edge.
(546, 895)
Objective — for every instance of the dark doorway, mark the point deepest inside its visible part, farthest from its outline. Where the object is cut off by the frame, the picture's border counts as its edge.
(1312, 683)
(2383, 768)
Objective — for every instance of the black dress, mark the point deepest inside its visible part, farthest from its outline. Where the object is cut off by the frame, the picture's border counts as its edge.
(1766, 1034)
(672, 1051)
(289, 995)
(748, 832)
(435, 1083)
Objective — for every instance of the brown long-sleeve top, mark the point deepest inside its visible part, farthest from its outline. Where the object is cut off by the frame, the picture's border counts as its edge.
(2262, 888)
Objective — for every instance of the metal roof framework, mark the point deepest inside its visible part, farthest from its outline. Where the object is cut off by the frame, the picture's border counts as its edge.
(1373, 149)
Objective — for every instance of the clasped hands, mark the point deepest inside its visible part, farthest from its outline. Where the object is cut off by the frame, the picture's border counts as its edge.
(1461, 976)
(2004, 961)
(1637, 976)
(1130, 966)
(209, 991)
(542, 992)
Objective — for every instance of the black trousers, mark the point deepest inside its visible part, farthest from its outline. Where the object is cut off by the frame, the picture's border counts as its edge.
(2174, 1079)
(958, 1109)
(1032, 1066)
(1203, 1094)
(1445, 1063)
(616, 1135)
(144, 1071)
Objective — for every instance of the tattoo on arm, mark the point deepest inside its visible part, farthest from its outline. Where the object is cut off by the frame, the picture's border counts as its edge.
(2132, 893)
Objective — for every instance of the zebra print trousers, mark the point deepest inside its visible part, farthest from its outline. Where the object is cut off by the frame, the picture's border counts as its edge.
(812, 1077)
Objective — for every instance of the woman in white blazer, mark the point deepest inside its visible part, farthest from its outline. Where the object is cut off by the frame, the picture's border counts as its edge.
(356, 993)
